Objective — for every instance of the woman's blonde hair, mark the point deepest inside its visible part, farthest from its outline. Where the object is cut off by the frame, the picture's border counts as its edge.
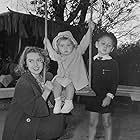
(32, 49)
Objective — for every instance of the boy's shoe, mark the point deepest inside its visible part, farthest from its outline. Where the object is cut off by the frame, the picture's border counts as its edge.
(57, 106)
(68, 106)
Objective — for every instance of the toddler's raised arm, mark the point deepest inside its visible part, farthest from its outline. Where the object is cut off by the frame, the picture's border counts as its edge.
(86, 39)
(52, 53)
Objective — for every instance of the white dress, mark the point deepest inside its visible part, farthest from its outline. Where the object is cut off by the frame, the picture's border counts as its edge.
(71, 68)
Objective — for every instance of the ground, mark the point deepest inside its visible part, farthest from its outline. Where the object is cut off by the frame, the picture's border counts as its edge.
(126, 123)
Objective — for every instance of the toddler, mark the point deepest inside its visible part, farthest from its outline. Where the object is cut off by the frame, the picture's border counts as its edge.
(71, 73)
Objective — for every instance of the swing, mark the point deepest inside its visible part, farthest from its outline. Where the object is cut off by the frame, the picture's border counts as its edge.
(87, 91)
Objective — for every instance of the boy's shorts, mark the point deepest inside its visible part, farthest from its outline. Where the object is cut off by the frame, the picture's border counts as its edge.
(93, 104)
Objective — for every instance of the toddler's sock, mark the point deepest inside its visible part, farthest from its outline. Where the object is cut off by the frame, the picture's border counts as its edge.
(68, 106)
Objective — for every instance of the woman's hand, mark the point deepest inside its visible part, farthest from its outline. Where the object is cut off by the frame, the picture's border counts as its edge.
(47, 89)
(48, 85)
(106, 101)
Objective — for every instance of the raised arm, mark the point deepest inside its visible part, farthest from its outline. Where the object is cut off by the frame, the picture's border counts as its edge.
(31, 103)
(85, 42)
(52, 53)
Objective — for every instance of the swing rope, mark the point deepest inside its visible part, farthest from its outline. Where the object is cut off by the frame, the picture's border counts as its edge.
(45, 45)
(90, 47)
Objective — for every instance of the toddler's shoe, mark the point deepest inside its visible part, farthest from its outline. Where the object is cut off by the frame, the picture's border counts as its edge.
(68, 106)
(57, 106)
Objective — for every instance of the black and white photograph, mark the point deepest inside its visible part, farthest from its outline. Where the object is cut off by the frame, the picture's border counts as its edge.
(69, 69)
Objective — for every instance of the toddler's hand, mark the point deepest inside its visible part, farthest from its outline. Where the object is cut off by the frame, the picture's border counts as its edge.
(106, 101)
(91, 25)
(45, 40)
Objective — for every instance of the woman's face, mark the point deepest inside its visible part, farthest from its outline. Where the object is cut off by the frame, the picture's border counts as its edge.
(104, 45)
(34, 63)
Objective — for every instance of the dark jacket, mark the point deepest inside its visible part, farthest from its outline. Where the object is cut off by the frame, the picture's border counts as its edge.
(105, 77)
(27, 111)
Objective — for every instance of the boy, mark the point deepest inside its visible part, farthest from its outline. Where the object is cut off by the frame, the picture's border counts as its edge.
(104, 83)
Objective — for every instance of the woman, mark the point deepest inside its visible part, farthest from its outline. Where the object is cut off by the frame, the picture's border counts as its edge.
(30, 115)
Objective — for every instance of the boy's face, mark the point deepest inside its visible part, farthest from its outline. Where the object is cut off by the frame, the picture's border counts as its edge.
(104, 45)
(65, 47)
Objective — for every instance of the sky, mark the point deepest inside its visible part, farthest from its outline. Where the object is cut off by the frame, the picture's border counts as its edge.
(15, 5)
(3, 5)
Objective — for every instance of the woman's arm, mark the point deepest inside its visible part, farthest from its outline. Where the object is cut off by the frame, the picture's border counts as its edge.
(32, 104)
(47, 89)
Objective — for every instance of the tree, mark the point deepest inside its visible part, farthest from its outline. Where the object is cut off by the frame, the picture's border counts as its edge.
(111, 15)
(69, 11)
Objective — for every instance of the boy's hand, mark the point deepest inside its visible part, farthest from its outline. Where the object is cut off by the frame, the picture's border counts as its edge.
(106, 101)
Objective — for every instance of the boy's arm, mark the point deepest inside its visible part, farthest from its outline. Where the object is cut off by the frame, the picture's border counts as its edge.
(115, 81)
(52, 53)
(85, 42)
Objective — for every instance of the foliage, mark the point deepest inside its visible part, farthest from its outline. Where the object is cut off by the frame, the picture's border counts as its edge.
(129, 50)
(128, 57)
(112, 15)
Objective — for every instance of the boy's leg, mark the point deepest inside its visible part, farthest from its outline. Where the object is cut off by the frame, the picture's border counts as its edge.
(57, 90)
(107, 123)
(68, 105)
(93, 122)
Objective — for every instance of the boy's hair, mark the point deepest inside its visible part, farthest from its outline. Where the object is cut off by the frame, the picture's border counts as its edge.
(32, 49)
(108, 34)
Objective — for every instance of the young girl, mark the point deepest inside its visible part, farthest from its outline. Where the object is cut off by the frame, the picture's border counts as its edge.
(71, 73)
(104, 83)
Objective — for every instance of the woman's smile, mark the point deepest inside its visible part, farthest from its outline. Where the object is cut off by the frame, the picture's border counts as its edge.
(34, 63)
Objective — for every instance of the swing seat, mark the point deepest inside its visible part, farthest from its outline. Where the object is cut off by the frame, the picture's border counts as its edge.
(86, 91)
